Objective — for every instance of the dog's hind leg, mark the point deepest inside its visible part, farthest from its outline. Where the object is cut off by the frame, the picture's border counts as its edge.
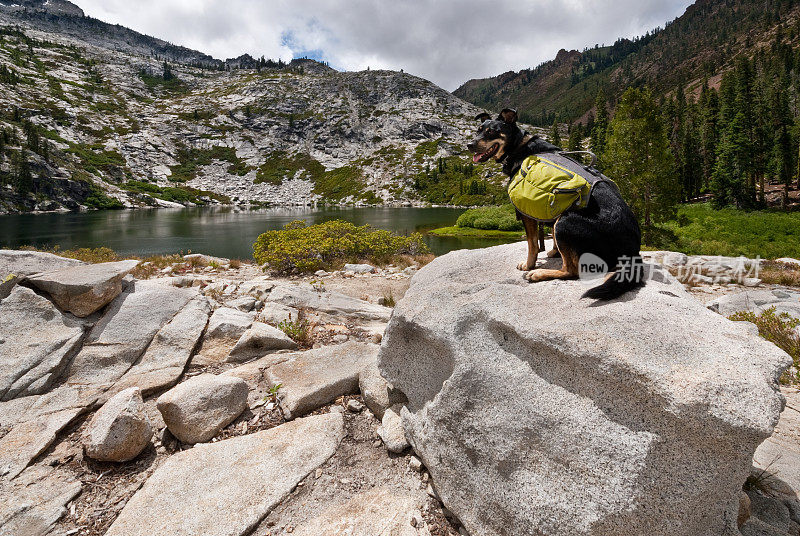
(532, 235)
(553, 253)
(569, 269)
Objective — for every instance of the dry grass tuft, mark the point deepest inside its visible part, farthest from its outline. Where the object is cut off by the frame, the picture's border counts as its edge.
(780, 273)
(781, 330)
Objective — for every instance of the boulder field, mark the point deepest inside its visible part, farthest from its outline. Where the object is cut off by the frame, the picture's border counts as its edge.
(539, 413)
(213, 400)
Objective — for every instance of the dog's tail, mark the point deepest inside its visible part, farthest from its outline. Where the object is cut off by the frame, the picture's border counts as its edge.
(627, 277)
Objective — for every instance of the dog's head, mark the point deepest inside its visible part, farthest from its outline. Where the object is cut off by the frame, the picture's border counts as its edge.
(496, 137)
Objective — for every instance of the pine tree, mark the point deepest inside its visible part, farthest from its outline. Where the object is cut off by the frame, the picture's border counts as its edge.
(555, 136)
(21, 180)
(639, 159)
(598, 134)
(575, 138)
(709, 137)
(780, 162)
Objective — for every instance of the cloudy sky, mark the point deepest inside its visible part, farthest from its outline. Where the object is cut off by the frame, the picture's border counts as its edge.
(447, 42)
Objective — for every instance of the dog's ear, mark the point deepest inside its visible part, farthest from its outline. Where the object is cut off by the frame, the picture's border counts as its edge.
(483, 116)
(509, 115)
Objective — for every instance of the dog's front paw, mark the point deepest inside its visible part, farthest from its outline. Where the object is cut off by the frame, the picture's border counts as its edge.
(532, 276)
(524, 266)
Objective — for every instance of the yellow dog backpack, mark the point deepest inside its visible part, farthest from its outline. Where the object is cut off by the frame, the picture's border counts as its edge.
(548, 184)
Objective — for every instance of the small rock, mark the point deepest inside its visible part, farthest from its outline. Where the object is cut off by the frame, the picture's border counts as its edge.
(374, 389)
(432, 492)
(391, 430)
(744, 509)
(377, 443)
(244, 304)
(336, 408)
(275, 313)
(340, 338)
(751, 281)
(359, 268)
(354, 406)
(320, 273)
(376, 338)
(120, 430)
(258, 340)
(199, 408)
(411, 270)
(415, 464)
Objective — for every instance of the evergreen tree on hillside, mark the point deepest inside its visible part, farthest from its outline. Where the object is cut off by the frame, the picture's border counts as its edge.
(555, 136)
(732, 183)
(781, 165)
(709, 137)
(597, 143)
(639, 159)
(690, 143)
(575, 138)
(21, 179)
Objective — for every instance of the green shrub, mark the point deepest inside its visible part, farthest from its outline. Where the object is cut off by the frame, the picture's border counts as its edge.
(778, 329)
(97, 199)
(503, 218)
(301, 248)
(298, 330)
(279, 165)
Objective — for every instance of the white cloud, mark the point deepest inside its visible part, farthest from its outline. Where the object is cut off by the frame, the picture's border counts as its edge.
(444, 41)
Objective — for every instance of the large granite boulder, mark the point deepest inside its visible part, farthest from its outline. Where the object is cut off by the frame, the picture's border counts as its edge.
(538, 412)
(163, 362)
(82, 290)
(36, 343)
(25, 263)
(122, 335)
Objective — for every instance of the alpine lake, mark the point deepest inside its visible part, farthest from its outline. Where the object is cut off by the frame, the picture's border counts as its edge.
(226, 231)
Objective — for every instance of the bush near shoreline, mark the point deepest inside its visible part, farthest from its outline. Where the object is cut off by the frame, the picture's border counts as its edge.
(300, 248)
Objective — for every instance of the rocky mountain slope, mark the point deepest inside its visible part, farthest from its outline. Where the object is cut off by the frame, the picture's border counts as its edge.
(701, 44)
(95, 115)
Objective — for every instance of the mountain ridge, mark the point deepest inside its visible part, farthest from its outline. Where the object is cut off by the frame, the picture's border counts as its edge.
(87, 123)
(700, 44)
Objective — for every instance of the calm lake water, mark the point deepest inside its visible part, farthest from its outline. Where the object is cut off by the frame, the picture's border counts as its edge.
(221, 231)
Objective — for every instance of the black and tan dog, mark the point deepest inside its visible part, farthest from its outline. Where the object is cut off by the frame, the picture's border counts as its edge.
(606, 228)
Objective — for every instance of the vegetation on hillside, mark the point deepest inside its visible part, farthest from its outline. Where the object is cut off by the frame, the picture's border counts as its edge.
(700, 44)
(300, 248)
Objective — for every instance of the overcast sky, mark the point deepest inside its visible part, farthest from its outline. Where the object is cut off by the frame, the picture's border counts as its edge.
(447, 42)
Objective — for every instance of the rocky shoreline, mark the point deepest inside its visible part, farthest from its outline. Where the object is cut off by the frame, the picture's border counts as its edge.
(213, 383)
